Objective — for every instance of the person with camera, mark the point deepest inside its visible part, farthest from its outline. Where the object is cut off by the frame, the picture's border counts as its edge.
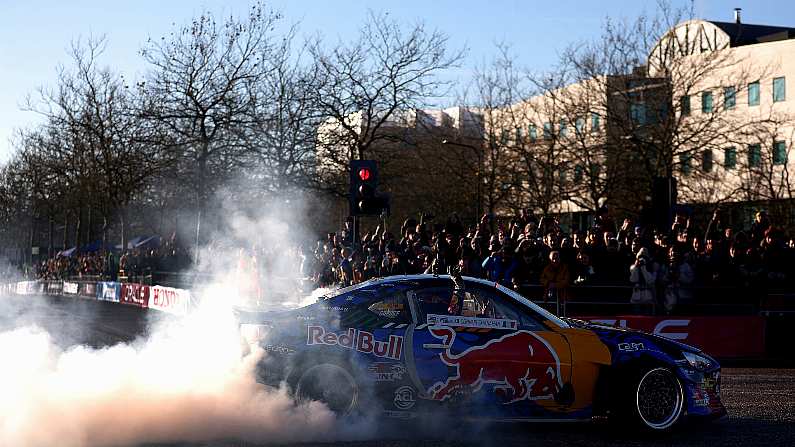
(643, 275)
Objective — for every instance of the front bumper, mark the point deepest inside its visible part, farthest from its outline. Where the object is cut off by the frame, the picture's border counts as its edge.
(702, 393)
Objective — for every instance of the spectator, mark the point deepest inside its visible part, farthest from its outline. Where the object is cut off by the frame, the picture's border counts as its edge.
(555, 280)
(643, 277)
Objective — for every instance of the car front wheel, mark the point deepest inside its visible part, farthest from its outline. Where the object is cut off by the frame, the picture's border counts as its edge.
(659, 399)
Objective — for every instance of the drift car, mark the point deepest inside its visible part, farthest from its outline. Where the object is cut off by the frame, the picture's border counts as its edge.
(413, 344)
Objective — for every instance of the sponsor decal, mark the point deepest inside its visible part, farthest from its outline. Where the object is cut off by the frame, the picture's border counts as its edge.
(167, 299)
(361, 341)
(278, 349)
(390, 308)
(387, 372)
(400, 414)
(521, 365)
(404, 398)
(70, 288)
(474, 322)
(54, 288)
(631, 347)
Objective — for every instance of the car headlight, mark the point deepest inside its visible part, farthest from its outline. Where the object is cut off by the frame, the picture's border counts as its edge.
(698, 361)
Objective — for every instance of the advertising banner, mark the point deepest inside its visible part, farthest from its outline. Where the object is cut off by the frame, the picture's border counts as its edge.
(723, 336)
(167, 299)
(108, 291)
(54, 287)
(134, 295)
(70, 288)
(22, 287)
(88, 290)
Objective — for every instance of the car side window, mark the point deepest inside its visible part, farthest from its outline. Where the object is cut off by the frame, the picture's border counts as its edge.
(374, 309)
(483, 302)
(432, 300)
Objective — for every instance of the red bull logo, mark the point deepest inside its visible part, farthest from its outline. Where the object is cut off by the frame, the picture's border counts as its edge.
(361, 341)
(522, 365)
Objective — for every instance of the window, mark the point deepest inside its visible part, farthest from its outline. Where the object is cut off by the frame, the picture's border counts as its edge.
(594, 122)
(375, 309)
(483, 302)
(753, 94)
(578, 173)
(779, 152)
(779, 89)
(637, 112)
(706, 102)
(563, 130)
(504, 136)
(518, 134)
(754, 155)
(563, 173)
(579, 126)
(706, 160)
(547, 131)
(684, 160)
(729, 98)
(532, 132)
(685, 104)
(730, 158)
(595, 170)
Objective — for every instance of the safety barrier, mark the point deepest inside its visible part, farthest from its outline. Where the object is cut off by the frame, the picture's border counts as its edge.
(164, 299)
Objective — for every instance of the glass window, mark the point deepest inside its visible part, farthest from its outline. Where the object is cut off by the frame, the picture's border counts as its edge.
(504, 137)
(637, 111)
(532, 132)
(779, 152)
(578, 173)
(706, 102)
(684, 160)
(518, 134)
(433, 300)
(754, 155)
(779, 89)
(563, 172)
(547, 131)
(595, 170)
(594, 122)
(753, 94)
(730, 158)
(685, 103)
(706, 160)
(563, 130)
(484, 302)
(579, 125)
(729, 98)
(373, 308)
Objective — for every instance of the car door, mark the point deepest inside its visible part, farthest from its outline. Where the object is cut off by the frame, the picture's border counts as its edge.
(491, 359)
(371, 323)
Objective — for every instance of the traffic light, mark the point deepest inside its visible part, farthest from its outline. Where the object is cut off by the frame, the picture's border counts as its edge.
(363, 196)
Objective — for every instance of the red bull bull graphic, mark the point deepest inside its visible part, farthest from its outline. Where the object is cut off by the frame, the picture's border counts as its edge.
(521, 365)
(361, 341)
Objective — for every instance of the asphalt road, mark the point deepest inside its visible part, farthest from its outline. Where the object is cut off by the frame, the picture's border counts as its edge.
(760, 402)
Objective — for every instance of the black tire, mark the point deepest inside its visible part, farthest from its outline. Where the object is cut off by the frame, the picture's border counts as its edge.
(656, 399)
(330, 383)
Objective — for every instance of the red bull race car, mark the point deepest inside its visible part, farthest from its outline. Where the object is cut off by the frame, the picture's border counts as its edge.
(405, 345)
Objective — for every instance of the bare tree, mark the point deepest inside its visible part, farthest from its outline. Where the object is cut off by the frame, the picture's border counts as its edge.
(363, 87)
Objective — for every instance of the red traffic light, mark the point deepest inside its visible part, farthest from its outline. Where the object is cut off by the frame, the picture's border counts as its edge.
(364, 174)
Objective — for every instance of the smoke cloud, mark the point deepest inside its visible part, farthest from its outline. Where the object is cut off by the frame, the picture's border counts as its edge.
(188, 379)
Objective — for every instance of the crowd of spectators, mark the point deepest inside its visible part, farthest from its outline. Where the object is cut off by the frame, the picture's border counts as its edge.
(662, 268)
(110, 265)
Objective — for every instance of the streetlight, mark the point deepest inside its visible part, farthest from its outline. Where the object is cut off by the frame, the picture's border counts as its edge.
(479, 152)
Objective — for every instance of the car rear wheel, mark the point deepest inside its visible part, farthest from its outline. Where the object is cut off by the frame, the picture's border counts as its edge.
(331, 384)
(659, 399)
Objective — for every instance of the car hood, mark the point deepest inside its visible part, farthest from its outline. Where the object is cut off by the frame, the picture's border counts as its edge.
(612, 335)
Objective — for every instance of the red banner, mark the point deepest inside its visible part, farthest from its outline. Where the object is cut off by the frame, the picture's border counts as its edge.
(135, 295)
(736, 336)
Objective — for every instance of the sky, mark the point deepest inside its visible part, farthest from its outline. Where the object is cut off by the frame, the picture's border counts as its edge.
(36, 34)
